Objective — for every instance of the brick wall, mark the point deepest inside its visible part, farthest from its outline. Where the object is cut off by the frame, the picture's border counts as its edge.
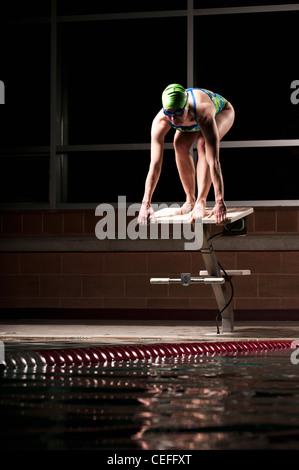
(110, 282)
(82, 222)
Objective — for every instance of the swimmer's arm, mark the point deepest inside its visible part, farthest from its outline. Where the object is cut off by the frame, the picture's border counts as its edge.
(158, 132)
(160, 127)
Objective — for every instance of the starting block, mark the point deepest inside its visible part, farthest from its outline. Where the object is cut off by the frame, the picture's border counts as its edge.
(213, 274)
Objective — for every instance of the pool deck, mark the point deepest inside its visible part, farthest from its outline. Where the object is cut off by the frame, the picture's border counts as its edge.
(134, 332)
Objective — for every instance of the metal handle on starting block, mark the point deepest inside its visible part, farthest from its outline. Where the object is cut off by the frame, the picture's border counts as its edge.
(186, 280)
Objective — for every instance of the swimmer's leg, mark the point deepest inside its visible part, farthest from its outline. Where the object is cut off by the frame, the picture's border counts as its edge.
(224, 121)
(185, 164)
(204, 181)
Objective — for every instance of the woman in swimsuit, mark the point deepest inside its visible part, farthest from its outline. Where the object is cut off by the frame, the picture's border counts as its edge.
(199, 116)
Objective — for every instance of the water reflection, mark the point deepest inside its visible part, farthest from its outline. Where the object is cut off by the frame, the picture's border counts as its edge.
(247, 401)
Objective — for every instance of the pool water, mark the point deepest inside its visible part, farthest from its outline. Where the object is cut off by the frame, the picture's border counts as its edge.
(241, 401)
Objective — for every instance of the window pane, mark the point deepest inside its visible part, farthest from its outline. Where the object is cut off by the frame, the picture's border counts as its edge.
(24, 179)
(103, 176)
(116, 72)
(26, 9)
(169, 187)
(69, 7)
(249, 174)
(253, 69)
(25, 71)
(260, 173)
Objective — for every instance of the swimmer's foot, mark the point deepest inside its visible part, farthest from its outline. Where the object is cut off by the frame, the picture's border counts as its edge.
(199, 211)
(185, 209)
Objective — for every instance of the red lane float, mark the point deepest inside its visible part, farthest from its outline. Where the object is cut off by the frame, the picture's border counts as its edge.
(109, 354)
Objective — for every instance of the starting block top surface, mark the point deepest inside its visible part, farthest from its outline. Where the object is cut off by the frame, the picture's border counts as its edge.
(166, 216)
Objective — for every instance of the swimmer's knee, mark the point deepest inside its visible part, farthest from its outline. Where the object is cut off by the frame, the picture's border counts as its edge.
(180, 146)
(201, 148)
(200, 143)
(183, 142)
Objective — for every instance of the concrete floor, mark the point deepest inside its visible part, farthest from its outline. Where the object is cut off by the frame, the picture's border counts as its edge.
(117, 332)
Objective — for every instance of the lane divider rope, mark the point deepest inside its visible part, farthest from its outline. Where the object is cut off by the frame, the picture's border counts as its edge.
(107, 354)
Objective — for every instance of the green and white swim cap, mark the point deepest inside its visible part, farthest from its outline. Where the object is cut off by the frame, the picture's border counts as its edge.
(174, 96)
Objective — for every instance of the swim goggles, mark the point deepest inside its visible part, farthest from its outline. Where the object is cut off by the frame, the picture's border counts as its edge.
(176, 113)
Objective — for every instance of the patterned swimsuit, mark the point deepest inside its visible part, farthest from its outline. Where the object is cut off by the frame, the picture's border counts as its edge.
(218, 101)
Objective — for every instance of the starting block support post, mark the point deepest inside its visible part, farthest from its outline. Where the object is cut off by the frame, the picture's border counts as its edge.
(213, 274)
(220, 293)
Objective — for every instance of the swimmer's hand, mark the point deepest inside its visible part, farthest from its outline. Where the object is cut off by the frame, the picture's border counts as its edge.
(146, 212)
(219, 211)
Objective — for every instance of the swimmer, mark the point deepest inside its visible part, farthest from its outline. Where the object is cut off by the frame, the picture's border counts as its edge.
(198, 116)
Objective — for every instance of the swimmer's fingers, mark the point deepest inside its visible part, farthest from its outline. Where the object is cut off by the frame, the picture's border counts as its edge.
(152, 215)
(145, 215)
(219, 212)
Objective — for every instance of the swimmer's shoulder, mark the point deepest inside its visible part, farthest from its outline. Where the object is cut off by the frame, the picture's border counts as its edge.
(160, 123)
